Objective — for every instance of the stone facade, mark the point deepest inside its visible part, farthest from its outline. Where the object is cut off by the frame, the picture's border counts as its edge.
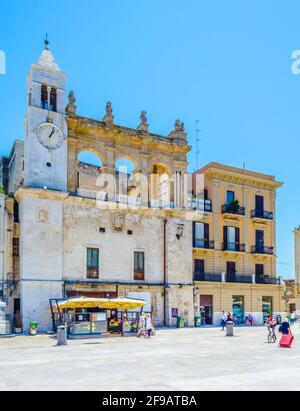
(245, 268)
(60, 208)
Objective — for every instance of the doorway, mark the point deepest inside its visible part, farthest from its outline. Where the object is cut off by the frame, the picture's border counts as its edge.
(231, 271)
(206, 303)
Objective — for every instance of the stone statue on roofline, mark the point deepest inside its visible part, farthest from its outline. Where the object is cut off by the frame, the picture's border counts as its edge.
(178, 134)
(71, 107)
(143, 126)
(109, 117)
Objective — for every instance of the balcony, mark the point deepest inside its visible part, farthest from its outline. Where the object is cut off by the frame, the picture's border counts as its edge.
(240, 279)
(261, 214)
(204, 244)
(267, 280)
(258, 249)
(233, 209)
(233, 278)
(199, 204)
(208, 277)
(234, 247)
(195, 204)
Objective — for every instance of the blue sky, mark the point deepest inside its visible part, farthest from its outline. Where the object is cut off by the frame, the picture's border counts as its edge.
(224, 63)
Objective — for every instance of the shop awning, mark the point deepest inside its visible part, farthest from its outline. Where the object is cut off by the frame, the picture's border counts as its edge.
(105, 303)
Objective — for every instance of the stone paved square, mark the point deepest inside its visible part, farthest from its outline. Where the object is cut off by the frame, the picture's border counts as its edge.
(185, 359)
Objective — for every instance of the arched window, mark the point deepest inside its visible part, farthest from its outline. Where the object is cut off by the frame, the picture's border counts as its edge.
(44, 97)
(53, 99)
(89, 169)
(125, 177)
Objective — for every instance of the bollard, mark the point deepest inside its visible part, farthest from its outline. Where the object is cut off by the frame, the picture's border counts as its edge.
(61, 336)
(229, 330)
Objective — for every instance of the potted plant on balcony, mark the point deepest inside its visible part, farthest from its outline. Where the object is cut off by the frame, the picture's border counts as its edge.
(234, 206)
(18, 323)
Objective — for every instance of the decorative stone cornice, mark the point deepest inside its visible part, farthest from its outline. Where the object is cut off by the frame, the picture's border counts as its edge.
(82, 127)
(24, 192)
(244, 180)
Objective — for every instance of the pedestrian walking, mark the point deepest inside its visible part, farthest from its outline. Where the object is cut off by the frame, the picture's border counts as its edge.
(271, 326)
(293, 318)
(149, 325)
(223, 320)
(285, 328)
(142, 326)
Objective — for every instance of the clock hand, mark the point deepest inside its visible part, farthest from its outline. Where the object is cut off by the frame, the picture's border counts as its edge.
(53, 131)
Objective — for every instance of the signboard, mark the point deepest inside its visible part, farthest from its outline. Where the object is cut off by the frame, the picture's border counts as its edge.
(175, 312)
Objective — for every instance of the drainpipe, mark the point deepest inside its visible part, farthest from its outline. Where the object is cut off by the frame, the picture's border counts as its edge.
(165, 272)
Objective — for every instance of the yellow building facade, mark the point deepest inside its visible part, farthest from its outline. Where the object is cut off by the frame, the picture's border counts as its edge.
(234, 248)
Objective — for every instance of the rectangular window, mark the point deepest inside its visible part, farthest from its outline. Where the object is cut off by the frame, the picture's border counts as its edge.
(199, 266)
(259, 240)
(93, 263)
(230, 197)
(259, 270)
(231, 271)
(231, 238)
(259, 204)
(139, 266)
(201, 235)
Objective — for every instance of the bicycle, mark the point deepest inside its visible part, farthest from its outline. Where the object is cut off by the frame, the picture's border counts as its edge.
(272, 336)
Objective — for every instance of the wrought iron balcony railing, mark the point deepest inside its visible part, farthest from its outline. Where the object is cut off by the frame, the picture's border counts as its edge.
(233, 209)
(265, 215)
(209, 277)
(208, 245)
(199, 204)
(260, 279)
(236, 278)
(241, 279)
(258, 249)
(237, 247)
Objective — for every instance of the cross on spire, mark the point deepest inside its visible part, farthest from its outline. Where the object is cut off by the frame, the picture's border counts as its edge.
(46, 41)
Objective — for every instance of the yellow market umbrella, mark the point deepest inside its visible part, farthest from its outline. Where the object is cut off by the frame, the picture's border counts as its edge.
(81, 302)
(105, 303)
(123, 304)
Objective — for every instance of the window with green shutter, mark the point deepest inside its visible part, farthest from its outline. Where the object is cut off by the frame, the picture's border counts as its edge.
(93, 263)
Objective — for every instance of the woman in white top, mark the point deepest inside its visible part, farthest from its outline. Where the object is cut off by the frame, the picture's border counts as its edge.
(149, 325)
(142, 326)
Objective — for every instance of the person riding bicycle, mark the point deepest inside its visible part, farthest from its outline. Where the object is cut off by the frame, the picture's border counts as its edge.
(271, 325)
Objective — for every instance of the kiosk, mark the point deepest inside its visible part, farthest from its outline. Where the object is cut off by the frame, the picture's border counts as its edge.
(97, 317)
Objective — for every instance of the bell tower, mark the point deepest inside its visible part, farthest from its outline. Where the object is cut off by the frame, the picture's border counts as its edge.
(45, 157)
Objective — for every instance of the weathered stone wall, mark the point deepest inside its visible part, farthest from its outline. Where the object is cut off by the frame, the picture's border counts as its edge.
(40, 257)
(16, 167)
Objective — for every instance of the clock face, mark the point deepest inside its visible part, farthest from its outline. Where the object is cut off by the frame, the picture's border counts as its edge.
(50, 136)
